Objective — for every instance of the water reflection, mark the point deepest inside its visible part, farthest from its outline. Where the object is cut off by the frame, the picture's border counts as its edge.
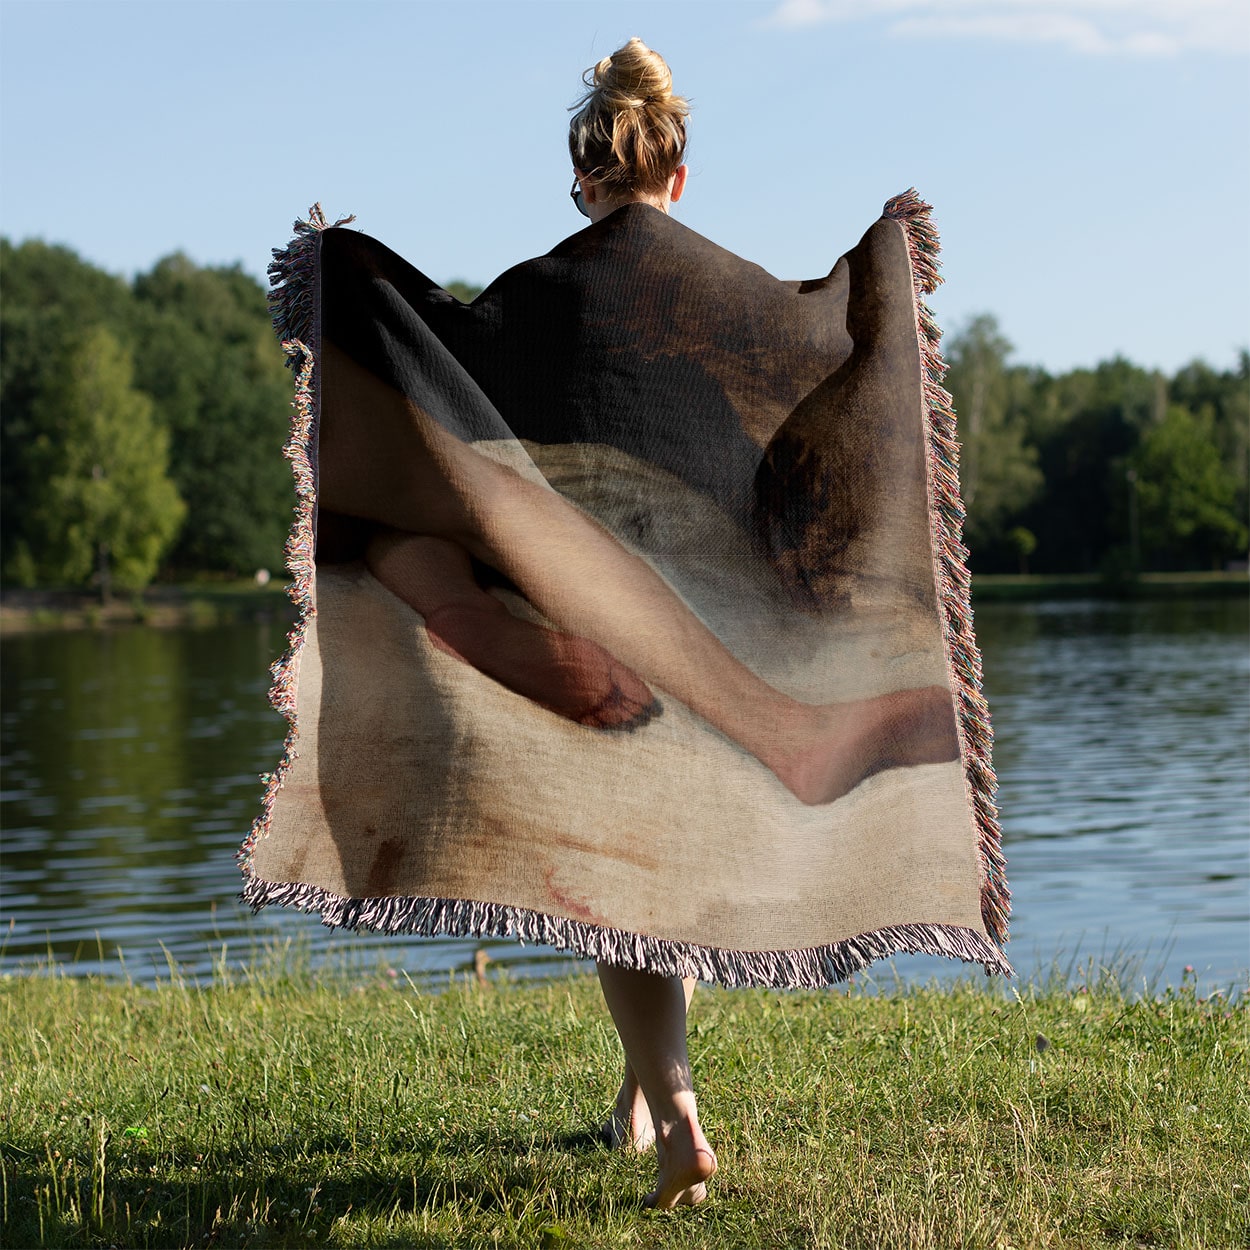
(131, 759)
(1123, 736)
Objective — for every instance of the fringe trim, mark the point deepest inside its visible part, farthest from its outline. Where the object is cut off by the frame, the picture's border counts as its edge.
(811, 968)
(295, 298)
(295, 304)
(954, 583)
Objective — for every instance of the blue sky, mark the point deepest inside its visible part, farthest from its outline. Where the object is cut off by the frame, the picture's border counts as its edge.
(1088, 159)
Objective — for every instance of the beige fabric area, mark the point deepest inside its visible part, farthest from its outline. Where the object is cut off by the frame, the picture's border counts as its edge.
(522, 806)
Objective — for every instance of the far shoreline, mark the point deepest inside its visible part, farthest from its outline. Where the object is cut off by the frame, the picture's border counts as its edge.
(204, 604)
(172, 605)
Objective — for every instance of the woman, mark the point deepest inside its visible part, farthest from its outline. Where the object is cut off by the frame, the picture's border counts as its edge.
(636, 464)
(628, 143)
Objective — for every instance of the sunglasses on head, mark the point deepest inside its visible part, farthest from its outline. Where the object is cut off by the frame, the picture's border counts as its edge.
(576, 196)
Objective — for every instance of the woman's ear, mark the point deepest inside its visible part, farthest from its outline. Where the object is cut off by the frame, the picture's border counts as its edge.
(678, 183)
(588, 186)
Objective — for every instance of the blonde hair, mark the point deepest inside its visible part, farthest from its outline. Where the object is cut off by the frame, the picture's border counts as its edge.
(629, 131)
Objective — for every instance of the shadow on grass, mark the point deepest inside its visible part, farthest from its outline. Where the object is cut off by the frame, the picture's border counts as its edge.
(295, 1194)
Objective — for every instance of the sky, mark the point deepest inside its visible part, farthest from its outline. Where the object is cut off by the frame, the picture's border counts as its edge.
(1088, 160)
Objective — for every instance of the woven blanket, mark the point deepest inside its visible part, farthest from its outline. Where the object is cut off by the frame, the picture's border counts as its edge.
(633, 615)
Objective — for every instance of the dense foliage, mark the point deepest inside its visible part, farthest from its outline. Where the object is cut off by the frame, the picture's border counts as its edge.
(142, 423)
(190, 398)
(1114, 469)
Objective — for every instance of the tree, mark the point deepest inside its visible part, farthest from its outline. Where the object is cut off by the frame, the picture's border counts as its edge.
(1223, 399)
(102, 505)
(1087, 423)
(1187, 493)
(1073, 472)
(997, 467)
(1024, 543)
(465, 292)
(51, 297)
(208, 357)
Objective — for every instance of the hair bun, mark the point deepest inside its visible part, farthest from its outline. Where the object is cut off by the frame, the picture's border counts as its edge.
(629, 130)
(633, 76)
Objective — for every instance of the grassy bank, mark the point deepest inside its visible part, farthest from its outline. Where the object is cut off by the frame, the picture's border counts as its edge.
(166, 606)
(283, 1110)
(1000, 587)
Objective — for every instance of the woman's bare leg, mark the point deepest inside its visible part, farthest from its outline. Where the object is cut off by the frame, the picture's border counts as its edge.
(583, 580)
(649, 1012)
(629, 1127)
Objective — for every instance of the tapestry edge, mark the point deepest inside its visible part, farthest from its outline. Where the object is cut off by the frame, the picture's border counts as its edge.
(953, 580)
(806, 968)
(294, 304)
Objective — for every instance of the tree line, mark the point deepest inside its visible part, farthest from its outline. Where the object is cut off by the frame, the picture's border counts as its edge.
(140, 424)
(1115, 469)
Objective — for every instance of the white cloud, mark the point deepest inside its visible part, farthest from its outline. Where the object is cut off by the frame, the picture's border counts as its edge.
(1137, 28)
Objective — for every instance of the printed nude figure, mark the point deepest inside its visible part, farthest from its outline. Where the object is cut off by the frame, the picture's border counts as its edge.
(618, 624)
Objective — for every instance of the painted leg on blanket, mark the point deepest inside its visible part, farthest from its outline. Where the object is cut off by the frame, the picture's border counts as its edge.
(570, 676)
(649, 1012)
(589, 585)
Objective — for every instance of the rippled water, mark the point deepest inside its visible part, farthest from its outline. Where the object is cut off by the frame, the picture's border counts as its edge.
(131, 758)
(1123, 752)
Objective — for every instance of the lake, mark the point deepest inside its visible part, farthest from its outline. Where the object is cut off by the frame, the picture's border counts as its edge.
(130, 764)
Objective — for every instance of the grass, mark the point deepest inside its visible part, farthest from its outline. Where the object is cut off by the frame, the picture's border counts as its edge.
(285, 1108)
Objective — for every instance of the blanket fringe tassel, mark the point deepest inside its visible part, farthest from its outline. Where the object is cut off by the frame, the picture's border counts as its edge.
(811, 968)
(294, 302)
(954, 583)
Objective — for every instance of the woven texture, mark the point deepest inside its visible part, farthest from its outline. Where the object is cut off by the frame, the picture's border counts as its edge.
(633, 613)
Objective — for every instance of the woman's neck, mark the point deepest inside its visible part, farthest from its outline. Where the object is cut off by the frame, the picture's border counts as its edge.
(602, 207)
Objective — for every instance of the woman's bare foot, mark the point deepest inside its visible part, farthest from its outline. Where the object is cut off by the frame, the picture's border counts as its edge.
(568, 675)
(629, 1126)
(686, 1165)
(859, 739)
